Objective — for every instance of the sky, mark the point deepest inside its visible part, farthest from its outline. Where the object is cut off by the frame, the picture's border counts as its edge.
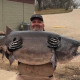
(78, 1)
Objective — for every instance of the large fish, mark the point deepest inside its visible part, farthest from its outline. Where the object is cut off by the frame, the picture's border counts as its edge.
(35, 50)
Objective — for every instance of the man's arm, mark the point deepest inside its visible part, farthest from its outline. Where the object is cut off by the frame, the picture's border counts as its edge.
(13, 46)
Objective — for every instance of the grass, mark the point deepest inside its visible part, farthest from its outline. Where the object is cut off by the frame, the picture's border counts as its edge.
(53, 11)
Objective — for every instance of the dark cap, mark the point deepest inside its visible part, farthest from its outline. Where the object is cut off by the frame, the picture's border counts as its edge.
(38, 16)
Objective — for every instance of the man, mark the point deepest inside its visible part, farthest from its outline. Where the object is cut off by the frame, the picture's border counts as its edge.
(28, 72)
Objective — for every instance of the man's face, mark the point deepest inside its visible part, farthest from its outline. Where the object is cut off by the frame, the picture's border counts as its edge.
(37, 25)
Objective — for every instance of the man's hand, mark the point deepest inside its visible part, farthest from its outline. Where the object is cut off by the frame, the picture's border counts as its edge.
(15, 44)
(54, 42)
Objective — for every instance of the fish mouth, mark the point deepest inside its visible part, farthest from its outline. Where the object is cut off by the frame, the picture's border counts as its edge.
(78, 51)
(76, 54)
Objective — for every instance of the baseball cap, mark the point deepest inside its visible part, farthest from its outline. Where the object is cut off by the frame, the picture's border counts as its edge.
(38, 16)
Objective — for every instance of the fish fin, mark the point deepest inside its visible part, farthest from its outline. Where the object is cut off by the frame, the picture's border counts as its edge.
(11, 59)
(54, 61)
(8, 30)
(3, 52)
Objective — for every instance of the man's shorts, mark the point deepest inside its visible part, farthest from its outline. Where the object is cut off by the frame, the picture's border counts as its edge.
(36, 72)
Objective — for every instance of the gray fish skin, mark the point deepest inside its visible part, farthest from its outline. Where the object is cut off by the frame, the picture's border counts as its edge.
(68, 49)
(35, 50)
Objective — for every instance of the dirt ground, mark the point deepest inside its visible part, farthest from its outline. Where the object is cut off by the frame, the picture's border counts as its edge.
(68, 25)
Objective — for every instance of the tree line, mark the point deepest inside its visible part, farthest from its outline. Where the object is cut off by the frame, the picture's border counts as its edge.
(53, 4)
